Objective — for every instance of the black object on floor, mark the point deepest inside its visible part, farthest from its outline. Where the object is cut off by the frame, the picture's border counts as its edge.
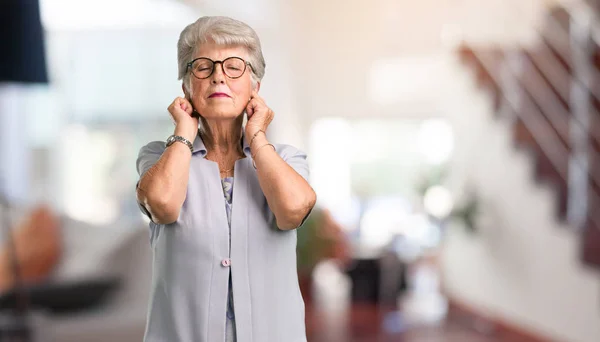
(365, 278)
(64, 297)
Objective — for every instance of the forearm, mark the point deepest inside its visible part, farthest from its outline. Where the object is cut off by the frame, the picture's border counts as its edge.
(288, 194)
(162, 189)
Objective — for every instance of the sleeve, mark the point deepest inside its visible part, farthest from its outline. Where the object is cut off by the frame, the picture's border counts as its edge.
(147, 157)
(297, 159)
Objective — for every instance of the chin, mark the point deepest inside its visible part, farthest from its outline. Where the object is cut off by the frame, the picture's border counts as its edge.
(221, 114)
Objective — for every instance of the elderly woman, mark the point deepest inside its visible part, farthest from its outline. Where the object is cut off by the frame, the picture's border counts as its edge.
(223, 201)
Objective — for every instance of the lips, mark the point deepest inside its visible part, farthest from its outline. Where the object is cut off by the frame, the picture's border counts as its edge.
(218, 95)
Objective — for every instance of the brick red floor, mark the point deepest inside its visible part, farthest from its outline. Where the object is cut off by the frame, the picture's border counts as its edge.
(364, 323)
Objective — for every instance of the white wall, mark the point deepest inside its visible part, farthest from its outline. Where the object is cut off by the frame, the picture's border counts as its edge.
(336, 45)
(523, 266)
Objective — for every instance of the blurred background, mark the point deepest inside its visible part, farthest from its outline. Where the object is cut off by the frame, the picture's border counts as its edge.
(454, 147)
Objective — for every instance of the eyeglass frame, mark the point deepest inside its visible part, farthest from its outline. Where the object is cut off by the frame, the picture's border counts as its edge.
(246, 64)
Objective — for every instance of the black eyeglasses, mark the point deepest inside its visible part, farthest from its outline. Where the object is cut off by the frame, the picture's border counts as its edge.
(233, 67)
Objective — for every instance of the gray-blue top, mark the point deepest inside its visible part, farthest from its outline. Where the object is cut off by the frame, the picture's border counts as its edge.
(193, 258)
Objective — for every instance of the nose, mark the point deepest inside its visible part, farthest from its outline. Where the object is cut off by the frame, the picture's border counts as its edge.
(218, 76)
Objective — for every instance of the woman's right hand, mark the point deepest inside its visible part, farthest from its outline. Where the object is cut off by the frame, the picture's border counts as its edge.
(181, 113)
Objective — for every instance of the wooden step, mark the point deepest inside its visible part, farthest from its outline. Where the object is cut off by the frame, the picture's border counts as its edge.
(545, 172)
(547, 67)
(485, 78)
(590, 245)
(555, 34)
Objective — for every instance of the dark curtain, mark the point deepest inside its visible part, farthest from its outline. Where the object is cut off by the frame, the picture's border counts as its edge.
(22, 57)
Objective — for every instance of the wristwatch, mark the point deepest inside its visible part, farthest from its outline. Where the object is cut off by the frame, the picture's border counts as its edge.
(174, 138)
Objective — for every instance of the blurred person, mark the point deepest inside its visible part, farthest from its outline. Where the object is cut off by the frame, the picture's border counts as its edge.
(224, 251)
(33, 251)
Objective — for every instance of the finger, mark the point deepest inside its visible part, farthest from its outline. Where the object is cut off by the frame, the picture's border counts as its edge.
(251, 108)
(257, 97)
(175, 104)
(249, 111)
(270, 116)
(261, 102)
(179, 103)
(186, 106)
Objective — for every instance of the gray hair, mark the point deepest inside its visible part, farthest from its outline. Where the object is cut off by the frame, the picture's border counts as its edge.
(223, 31)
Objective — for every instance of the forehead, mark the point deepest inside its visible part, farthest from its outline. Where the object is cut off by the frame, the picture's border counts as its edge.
(220, 52)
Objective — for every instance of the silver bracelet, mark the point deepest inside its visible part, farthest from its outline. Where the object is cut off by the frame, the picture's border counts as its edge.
(174, 138)
(257, 150)
(254, 136)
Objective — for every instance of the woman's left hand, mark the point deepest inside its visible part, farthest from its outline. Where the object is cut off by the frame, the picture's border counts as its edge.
(259, 116)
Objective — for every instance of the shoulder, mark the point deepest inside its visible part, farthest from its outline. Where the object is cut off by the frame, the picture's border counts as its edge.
(288, 151)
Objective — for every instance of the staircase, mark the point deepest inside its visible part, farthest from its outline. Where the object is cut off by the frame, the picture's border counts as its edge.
(549, 92)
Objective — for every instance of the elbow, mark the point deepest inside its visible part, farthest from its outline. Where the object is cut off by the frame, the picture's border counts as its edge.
(295, 213)
(164, 215)
(162, 209)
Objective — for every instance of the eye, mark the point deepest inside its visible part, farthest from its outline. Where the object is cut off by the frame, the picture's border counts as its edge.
(202, 65)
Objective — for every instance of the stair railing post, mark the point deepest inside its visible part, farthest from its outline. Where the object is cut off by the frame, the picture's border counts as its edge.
(580, 104)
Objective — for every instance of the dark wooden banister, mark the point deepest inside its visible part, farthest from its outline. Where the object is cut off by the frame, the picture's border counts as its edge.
(544, 98)
(572, 42)
(553, 89)
(540, 128)
(553, 69)
(555, 73)
(553, 110)
(561, 38)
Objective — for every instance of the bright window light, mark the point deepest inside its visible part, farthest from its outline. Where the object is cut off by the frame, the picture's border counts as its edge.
(330, 162)
(438, 201)
(87, 156)
(114, 14)
(436, 141)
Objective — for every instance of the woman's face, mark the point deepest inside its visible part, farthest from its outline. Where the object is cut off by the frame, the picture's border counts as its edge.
(219, 97)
